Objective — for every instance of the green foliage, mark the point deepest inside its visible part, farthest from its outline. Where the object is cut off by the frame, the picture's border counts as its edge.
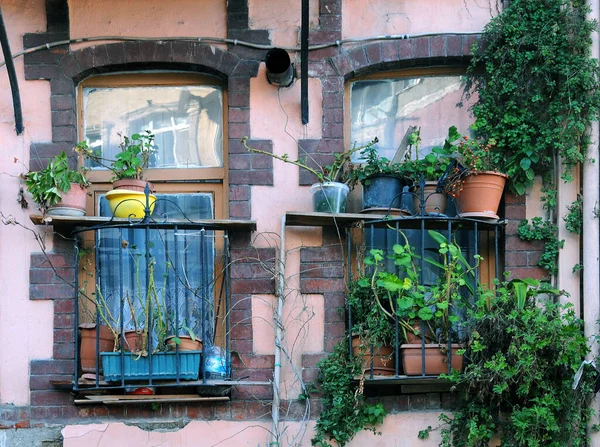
(547, 232)
(518, 382)
(574, 219)
(333, 172)
(540, 87)
(48, 185)
(131, 161)
(345, 411)
(373, 165)
(432, 166)
(370, 322)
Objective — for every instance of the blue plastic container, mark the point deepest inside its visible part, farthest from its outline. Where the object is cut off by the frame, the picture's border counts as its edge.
(164, 366)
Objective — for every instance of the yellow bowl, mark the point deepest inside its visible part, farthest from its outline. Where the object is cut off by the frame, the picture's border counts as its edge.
(126, 203)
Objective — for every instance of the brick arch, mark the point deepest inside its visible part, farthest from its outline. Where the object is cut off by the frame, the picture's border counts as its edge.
(187, 56)
(442, 50)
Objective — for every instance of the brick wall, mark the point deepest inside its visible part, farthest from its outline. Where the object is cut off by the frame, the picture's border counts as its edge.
(252, 269)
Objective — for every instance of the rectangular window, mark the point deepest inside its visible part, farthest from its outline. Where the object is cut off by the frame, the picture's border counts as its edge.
(386, 108)
(160, 279)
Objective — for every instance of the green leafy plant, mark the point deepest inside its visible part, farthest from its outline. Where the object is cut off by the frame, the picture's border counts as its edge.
(345, 409)
(48, 185)
(539, 89)
(547, 232)
(371, 166)
(473, 156)
(338, 171)
(432, 166)
(524, 351)
(130, 162)
(574, 218)
(400, 293)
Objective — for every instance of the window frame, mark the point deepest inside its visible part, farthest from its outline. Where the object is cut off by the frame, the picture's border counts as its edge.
(165, 180)
(487, 267)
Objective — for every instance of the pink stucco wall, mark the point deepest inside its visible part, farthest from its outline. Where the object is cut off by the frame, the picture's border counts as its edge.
(274, 115)
(150, 18)
(365, 18)
(25, 326)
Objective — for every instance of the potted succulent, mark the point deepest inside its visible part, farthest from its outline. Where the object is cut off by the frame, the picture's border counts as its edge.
(474, 179)
(331, 191)
(57, 189)
(382, 180)
(128, 197)
(424, 174)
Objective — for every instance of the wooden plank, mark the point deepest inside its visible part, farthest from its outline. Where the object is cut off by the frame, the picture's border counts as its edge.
(90, 221)
(149, 399)
(141, 396)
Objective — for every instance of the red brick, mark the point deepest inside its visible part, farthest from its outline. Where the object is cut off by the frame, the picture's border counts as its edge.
(253, 361)
(239, 210)
(240, 316)
(239, 193)
(310, 375)
(429, 401)
(253, 286)
(438, 46)
(454, 46)
(515, 259)
(514, 243)
(64, 306)
(515, 212)
(64, 321)
(406, 49)
(422, 47)
(258, 410)
(241, 332)
(55, 260)
(239, 130)
(527, 272)
(240, 302)
(334, 315)
(389, 51)
(321, 285)
(252, 392)
(242, 346)
(201, 412)
(47, 398)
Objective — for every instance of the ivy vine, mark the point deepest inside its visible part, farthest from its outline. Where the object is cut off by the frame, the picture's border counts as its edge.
(540, 87)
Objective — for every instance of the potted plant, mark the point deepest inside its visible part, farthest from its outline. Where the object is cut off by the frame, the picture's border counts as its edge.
(474, 179)
(57, 189)
(427, 315)
(331, 191)
(128, 197)
(372, 329)
(146, 343)
(382, 180)
(424, 173)
(186, 342)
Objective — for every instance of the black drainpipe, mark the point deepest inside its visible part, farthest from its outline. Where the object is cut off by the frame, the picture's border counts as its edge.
(304, 63)
(12, 77)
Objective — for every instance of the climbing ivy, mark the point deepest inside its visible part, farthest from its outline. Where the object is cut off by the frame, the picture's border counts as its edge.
(547, 232)
(539, 89)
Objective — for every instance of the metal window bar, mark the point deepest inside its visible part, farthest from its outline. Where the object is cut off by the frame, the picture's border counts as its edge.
(171, 249)
(423, 222)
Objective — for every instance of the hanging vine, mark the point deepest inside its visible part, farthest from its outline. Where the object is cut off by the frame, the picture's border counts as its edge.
(537, 96)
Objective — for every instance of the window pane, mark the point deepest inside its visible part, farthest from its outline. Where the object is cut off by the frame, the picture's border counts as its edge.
(187, 122)
(182, 267)
(387, 108)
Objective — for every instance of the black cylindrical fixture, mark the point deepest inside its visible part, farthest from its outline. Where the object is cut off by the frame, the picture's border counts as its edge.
(280, 70)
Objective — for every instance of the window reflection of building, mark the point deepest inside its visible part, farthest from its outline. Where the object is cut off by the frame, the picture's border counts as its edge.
(187, 122)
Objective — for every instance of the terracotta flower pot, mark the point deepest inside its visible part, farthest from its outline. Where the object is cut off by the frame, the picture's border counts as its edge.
(134, 341)
(72, 202)
(414, 338)
(87, 347)
(481, 195)
(383, 357)
(435, 202)
(132, 184)
(186, 344)
(436, 359)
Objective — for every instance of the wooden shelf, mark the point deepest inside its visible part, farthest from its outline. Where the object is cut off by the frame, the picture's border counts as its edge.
(297, 219)
(118, 399)
(92, 221)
